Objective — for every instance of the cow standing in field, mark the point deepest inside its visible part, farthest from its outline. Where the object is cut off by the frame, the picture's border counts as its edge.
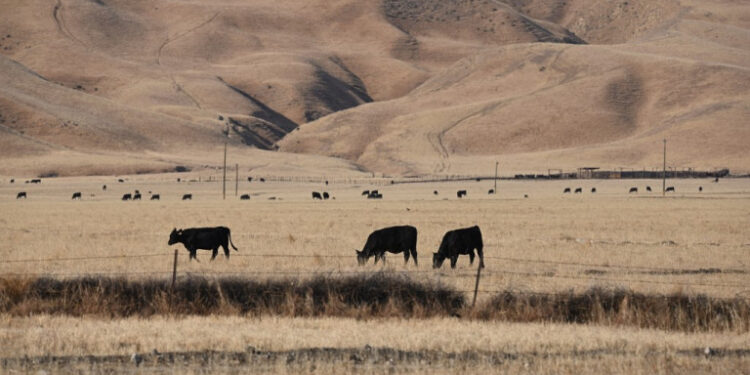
(461, 193)
(579, 190)
(633, 190)
(316, 195)
(491, 191)
(155, 197)
(137, 196)
(76, 195)
(393, 240)
(365, 192)
(593, 190)
(245, 197)
(670, 188)
(187, 197)
(21, 195)
(567, 190)
(458, 242)
(648, 188)
(127, 197)
(325, 195)
(196, 239)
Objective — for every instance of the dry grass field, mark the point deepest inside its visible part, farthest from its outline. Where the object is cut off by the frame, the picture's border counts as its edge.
(688, 243)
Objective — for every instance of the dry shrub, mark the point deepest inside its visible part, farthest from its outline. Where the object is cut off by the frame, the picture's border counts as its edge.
(622, 307)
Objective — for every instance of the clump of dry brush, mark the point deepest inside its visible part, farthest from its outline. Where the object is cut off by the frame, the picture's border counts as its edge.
(364, 296)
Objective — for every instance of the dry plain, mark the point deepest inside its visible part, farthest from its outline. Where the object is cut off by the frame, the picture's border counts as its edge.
(688, 243)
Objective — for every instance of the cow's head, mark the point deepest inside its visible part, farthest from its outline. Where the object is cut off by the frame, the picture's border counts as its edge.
(175, 236)
(361, 257)
(437, 260)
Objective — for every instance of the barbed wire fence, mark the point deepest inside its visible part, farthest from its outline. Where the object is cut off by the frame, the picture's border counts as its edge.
(741, 288)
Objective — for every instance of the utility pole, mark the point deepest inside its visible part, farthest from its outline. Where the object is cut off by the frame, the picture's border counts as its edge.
(224, 179)
(496, 164)
(664, 174)
(236, 178)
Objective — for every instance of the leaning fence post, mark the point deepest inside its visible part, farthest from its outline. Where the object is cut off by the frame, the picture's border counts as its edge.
(174, 269)
(476, 286)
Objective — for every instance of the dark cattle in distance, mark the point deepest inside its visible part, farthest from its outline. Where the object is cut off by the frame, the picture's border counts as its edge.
(374, 195)
(12, 180)
(374, 192)
(203, 239)
(326, 182)
(567, 190)
(716, 179)
(245, 197)
(36, 181)
(137, 196)
(155, 197)
(104, 187)
(700, 188)
(394, 240)
(670, 188)
(579, 190)
(262, 179)
(593, 190)
(21, 195)
(26, 182)
(249, 179)
(179, 179)
(365, 192)
(459, 242)
(316, 195)
(633, 190)
(187, 197)
(648, 188)
(137, 191)
(127, 197)
(325, 195)
(525, 195)
(491, 191)
(76, 195)
(435, 192)
(120, 180)
(461, 193)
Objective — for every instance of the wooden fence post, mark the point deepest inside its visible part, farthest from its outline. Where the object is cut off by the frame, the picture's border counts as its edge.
(476, 286)
(174, 269)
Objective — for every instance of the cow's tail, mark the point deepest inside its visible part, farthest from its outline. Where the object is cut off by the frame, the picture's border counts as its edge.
(229, 235)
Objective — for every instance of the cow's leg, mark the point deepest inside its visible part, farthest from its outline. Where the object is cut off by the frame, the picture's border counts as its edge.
(454, 260)
(481, 256)
(193, 253)
(226, 251)
(471, 256)
(414, 256)
(215, 252)
(406, 256)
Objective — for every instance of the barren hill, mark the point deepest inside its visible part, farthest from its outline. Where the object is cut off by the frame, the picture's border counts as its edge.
(402, 87)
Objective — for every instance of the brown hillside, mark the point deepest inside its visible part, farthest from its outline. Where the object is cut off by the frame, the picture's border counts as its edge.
(409, 86)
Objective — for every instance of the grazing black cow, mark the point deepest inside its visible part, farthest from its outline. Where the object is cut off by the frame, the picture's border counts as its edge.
(120, 180)
(36, 181)
(648, 188)
(525, 195)
(326, 182)
(187, 197)
(104, 187)
(137, 196)
(593, 190)
(461, 193)
(579, 190)
(262, 179)
(245, 197)
(365, 192)
(716, 179)
(393, 240)
(249, 179)
(316, 195)
(670, 188)
(203, 239)
(457, 242)
(76, 195)
(567, 190)
(325, 195)
(127, 197)
(137, 191)
(435, 192)
(700, 188)
(21, 195)
(633, 190)
(374, 195)
(12, 180)
(491, 191)
(155, 197)
(179, 179)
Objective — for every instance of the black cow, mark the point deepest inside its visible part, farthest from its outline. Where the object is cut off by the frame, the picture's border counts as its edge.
(525, 195)
(491, 191)
(187, 197)
(648, 188)
(104, 187)
(76, 195)
(435, 192)
(262, 179)
(120, 180)
(670, 188)
(716, 179)
(393, 240)
(155, 197)
(579, 190)
(700, 188)
(326, 182)
(365, 192)
(203, 239)
(461, 193)
(374, 192)
(137, 191)
(127, 197)
(457, 242)
(325, 195)
(137, 196)
(245, 197)
(36, 181)
(633, 190)
(12, 180)
(567, 190)
(374, 195)
(249, 179)
(593, 190)
(21, 195)
(316, 195)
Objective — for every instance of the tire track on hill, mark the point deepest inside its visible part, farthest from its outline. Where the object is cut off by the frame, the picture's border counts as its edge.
(60, 22)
